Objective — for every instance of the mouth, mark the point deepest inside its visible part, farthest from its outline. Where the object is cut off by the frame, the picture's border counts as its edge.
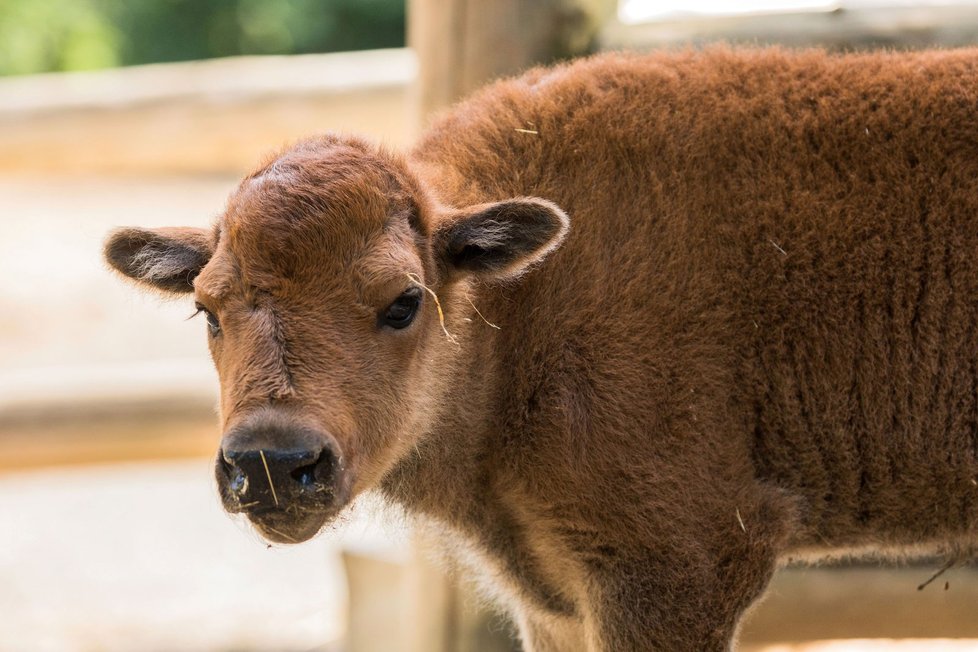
(287, 526)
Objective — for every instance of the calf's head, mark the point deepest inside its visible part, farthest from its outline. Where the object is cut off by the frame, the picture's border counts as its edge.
(318, 288)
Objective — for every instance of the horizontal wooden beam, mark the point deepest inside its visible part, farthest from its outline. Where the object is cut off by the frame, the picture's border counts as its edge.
(219, 116)
(806, 604)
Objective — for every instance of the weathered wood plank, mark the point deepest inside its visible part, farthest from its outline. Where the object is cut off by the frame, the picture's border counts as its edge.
(462, 44)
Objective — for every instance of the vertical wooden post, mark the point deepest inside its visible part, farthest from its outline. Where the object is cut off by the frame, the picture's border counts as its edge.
(376, 619)
(462, 44)
(445, 614)
(429, 602)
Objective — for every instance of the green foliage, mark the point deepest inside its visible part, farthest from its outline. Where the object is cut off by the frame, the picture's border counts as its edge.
(50, 35)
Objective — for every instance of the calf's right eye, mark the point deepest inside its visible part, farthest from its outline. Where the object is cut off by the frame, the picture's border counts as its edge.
(213, 325)
(401, 313)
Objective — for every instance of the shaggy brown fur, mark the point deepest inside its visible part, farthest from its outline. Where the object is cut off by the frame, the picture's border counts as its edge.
(757, 340)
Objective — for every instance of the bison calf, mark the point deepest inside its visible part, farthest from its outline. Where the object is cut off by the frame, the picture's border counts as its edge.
(632, 330)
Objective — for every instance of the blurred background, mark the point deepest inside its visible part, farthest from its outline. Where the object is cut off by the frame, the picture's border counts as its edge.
(117, 112)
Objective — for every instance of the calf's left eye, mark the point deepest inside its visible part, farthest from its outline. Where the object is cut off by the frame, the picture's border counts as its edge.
(401, 313)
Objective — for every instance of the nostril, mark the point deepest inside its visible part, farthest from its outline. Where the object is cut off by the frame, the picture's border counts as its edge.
(319, 473)
(236, 478)
(237, 481)
(305, 475)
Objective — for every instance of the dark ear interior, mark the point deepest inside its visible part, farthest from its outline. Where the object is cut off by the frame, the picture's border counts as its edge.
(168, 259)
(502, 239)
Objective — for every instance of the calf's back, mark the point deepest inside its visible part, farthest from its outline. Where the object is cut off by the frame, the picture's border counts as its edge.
(779, 246)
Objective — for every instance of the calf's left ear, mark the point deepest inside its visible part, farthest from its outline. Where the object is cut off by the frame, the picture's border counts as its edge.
(167, 259)
(501, 240)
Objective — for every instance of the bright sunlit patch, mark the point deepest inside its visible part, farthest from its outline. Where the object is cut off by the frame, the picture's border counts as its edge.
(640, 11)
(637, 11)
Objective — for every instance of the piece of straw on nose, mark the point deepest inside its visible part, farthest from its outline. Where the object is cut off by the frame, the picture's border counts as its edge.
(268, 474)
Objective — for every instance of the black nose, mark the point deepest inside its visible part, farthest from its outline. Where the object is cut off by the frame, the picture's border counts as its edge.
(268, 478)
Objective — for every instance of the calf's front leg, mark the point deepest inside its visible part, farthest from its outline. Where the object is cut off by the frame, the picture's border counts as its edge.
(686, 592)
(689, 594)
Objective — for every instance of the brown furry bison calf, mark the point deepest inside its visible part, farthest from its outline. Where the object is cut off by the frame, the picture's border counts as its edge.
(733, 301)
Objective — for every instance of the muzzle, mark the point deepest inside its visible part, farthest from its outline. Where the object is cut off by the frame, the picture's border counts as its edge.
(286, 477)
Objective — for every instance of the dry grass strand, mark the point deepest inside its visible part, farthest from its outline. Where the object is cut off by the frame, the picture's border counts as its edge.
(740, 521)
(268, 474)
(481, 315)
(943, 569)
(441, 314)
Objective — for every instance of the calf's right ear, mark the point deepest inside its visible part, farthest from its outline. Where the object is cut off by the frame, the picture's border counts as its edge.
(167, 259)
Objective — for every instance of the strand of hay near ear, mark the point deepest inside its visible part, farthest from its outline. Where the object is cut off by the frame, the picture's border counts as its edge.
(480, 314)
(441, 315)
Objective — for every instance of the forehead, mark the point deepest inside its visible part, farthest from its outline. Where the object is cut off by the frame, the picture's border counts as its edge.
(331, 193)
(318, 212)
